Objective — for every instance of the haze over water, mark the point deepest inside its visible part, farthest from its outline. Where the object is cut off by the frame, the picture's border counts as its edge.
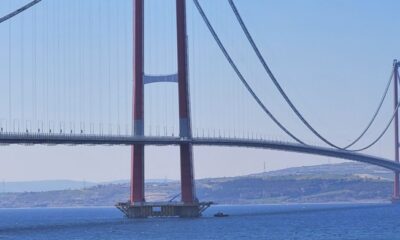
(308, 221)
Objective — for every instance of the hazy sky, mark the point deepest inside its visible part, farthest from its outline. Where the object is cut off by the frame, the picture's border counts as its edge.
(68, 65)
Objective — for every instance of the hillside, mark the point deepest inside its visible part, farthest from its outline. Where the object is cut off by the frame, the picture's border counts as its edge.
(347, 182)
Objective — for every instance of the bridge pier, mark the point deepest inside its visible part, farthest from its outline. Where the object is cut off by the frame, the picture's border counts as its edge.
(137, 154)
(396, 195)
(185, 129)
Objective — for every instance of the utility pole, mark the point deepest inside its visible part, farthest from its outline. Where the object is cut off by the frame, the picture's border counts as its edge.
(264, 166)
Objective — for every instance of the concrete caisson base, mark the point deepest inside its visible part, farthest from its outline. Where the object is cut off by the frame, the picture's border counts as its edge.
(395, 200)
(163, 209)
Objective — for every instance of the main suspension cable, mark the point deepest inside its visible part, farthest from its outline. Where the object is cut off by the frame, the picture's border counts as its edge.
(19, 10)
(287, 99)
(249, 89)
(239, 74)
(382, 133)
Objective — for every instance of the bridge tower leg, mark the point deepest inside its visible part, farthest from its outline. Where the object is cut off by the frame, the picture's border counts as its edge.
(185, 130)
(137, 152)
(396, 196)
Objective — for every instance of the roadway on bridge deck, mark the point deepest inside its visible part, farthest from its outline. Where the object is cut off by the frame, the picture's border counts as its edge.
(84, 139)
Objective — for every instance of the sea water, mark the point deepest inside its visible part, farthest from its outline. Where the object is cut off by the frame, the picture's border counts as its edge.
(302, 221)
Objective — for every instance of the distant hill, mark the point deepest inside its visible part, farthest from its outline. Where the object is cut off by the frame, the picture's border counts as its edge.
(41, 186)
(341, 169)
(54, 185)
(346, 182)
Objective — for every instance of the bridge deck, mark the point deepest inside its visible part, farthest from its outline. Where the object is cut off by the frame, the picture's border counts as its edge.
(84, 139)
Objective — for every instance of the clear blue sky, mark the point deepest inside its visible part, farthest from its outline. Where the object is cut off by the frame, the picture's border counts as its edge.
(332, 57)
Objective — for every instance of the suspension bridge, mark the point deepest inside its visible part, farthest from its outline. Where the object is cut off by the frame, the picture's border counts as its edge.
(56, 106)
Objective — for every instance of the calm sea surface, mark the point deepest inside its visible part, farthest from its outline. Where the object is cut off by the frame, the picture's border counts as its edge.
(317, 221)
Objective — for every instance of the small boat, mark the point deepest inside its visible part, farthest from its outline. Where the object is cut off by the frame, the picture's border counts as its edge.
(220, 214)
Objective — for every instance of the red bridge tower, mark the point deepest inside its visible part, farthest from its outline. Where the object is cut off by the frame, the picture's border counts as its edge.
(137, 206)
(396, 195)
